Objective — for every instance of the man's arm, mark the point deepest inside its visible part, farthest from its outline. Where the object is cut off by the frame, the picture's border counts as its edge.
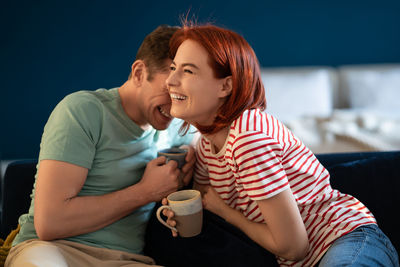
(60, 212)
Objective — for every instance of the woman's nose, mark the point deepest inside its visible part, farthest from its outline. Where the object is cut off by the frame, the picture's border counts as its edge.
(171, 80)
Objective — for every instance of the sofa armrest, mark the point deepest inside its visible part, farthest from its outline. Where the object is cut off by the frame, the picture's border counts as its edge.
(17, 178)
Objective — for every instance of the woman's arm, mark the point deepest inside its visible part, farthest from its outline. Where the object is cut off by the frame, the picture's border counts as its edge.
(283, 232)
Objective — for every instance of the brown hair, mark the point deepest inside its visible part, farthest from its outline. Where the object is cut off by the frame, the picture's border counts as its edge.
(154, 49)
(229, 54)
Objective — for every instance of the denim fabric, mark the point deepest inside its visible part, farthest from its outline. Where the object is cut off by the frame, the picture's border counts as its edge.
(365, 246)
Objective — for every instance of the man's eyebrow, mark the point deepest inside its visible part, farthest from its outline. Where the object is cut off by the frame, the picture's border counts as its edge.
(187, 64)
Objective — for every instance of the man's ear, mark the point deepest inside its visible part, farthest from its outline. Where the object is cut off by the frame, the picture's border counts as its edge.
(138, 72)
(226, 87)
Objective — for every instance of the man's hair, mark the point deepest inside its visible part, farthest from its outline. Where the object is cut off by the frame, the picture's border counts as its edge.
(229, 54)
(154, 49)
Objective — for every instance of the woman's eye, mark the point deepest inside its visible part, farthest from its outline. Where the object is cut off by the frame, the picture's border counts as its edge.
(188, 71)
(172, 68)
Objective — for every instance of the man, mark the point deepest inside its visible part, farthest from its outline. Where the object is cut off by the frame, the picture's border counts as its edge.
(97, 178)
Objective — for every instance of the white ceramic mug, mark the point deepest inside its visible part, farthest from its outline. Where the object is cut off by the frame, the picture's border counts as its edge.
(188, 209)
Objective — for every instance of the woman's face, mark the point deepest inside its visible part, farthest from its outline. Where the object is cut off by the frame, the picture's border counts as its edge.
(195, 93)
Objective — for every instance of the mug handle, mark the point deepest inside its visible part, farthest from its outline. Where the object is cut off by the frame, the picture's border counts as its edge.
(161, 220)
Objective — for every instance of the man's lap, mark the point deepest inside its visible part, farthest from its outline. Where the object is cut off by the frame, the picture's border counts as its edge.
(66, 253)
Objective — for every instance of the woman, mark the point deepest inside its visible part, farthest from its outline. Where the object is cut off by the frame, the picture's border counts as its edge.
(252, 170)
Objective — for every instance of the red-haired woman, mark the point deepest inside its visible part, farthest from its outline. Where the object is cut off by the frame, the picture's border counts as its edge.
(252, 170)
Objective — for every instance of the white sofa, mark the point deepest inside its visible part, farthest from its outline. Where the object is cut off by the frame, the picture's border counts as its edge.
(342, 109)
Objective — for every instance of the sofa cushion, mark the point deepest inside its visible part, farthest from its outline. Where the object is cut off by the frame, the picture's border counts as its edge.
(218, 244)
(299, 91)
(371, 88)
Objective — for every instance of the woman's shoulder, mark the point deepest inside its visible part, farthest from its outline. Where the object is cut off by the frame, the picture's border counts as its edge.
(254, 120)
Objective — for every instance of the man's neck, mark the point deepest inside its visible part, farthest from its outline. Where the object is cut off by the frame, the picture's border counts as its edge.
(129, 100)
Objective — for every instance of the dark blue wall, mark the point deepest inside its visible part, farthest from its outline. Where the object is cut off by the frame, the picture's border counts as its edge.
(51, 48)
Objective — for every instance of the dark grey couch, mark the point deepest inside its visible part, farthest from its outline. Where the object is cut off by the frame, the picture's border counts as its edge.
(372, 177)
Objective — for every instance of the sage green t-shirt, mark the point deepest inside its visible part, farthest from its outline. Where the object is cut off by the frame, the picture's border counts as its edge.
(91, 129)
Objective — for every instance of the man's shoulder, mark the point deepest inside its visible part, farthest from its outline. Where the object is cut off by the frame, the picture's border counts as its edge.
(87, 98)
(91, 95)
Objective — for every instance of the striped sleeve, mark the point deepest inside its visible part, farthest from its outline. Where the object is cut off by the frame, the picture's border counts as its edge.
(258, 165)
(201, 170)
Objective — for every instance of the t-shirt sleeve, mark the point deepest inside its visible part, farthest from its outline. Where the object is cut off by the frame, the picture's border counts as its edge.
(200, 173)
(258, 162)
(72, 131)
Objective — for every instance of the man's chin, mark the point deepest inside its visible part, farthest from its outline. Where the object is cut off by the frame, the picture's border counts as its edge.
(161, 126)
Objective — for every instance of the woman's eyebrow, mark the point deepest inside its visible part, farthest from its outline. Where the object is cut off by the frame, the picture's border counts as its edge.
(190, 65)
(187, 64)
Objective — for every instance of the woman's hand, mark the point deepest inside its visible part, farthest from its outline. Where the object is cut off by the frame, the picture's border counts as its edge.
(187, 169)
(213, 202)
(169, 214)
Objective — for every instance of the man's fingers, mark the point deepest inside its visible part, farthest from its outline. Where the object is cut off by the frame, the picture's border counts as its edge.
(159, 161)
(173, 164)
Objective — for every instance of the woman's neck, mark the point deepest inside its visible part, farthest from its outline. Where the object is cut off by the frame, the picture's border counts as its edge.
(218, 139)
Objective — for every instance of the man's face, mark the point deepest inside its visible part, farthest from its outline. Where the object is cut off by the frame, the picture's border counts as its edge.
(156, 102)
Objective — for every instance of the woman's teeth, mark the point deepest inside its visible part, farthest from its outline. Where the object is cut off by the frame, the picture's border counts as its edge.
(178, 97)
(166, 114)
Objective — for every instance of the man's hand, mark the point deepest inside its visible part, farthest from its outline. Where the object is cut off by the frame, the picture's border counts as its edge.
(160, 179)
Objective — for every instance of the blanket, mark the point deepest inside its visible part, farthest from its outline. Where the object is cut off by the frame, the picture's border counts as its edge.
(347, 131)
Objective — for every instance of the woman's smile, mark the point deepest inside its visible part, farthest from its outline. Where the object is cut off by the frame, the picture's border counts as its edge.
(177, 97)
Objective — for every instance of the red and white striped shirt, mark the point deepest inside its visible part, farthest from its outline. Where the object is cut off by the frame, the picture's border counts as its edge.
(261, 158)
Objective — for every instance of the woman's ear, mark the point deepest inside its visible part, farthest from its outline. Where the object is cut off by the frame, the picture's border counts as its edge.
(226, 86)
(138, 72)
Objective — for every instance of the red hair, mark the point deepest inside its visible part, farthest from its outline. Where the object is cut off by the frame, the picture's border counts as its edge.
(229, 54)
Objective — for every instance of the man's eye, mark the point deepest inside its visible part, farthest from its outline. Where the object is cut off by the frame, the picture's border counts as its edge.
(172, 68)
(188, 71)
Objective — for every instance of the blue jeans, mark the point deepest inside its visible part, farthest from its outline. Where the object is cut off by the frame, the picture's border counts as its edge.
(365, 246)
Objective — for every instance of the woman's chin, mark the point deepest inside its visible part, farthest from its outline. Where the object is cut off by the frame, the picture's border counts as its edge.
(187, 116)
(177, 114)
